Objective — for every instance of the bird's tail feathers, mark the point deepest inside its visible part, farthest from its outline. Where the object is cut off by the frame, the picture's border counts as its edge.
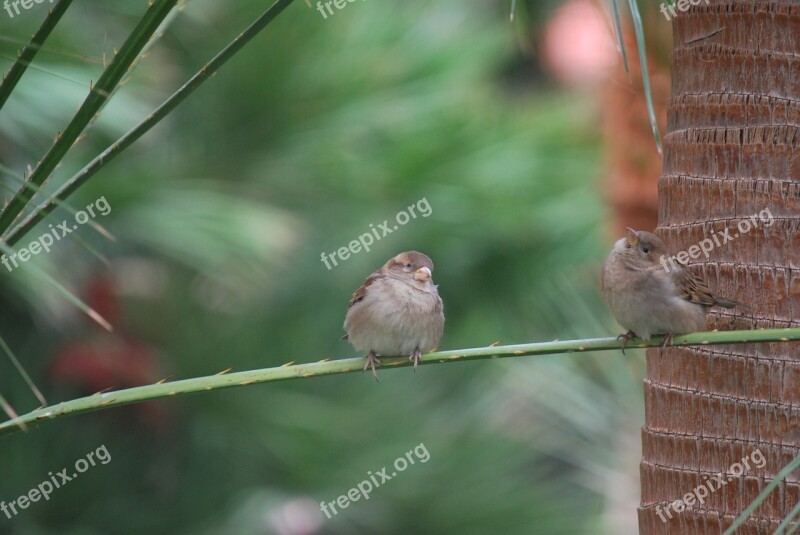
(728, 303)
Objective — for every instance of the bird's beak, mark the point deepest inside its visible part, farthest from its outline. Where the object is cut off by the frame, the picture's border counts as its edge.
(633, 237)
(422, 274)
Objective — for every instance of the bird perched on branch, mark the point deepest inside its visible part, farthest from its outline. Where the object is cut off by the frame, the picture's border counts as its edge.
(397, 311)
(647, 297)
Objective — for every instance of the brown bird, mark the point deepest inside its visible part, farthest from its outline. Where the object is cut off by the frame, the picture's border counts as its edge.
(647, 297)
(397, 311)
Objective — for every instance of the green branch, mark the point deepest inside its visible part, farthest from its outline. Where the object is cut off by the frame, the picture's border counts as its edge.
(29, 52)
(130, 137)
(139, 394)
(98, 95)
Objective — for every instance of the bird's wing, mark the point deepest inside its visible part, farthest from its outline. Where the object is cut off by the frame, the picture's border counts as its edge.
(359, 294)
(692, 288)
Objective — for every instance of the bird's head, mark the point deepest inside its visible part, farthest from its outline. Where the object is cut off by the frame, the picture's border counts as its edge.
(411, 266)
(640, 248)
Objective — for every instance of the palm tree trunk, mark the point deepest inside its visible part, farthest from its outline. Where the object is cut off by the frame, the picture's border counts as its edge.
(732, 151)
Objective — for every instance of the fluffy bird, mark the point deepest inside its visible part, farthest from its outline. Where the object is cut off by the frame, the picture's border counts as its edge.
(648, 299)
(397, 311)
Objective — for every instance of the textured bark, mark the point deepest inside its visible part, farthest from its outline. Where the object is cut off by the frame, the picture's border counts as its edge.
(732, 149)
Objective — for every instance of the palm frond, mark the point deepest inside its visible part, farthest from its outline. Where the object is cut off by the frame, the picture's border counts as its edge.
(69, 296)
(97, 97)
(29, 52)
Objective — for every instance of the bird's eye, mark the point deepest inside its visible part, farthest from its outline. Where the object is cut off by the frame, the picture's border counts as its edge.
(408, 266)
(645, 250)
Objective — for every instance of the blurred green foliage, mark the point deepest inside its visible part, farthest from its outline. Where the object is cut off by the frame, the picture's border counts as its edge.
(316, 131)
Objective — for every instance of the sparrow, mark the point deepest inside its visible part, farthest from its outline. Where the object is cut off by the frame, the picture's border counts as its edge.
(646, 297)
(397, 311)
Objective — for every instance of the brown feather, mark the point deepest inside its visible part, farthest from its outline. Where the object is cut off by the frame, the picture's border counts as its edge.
(694, 290)
(359, 294)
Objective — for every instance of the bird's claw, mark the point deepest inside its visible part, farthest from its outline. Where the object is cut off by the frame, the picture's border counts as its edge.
(415, 358)
(626, 337)
(667, 342)
(372, 359)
